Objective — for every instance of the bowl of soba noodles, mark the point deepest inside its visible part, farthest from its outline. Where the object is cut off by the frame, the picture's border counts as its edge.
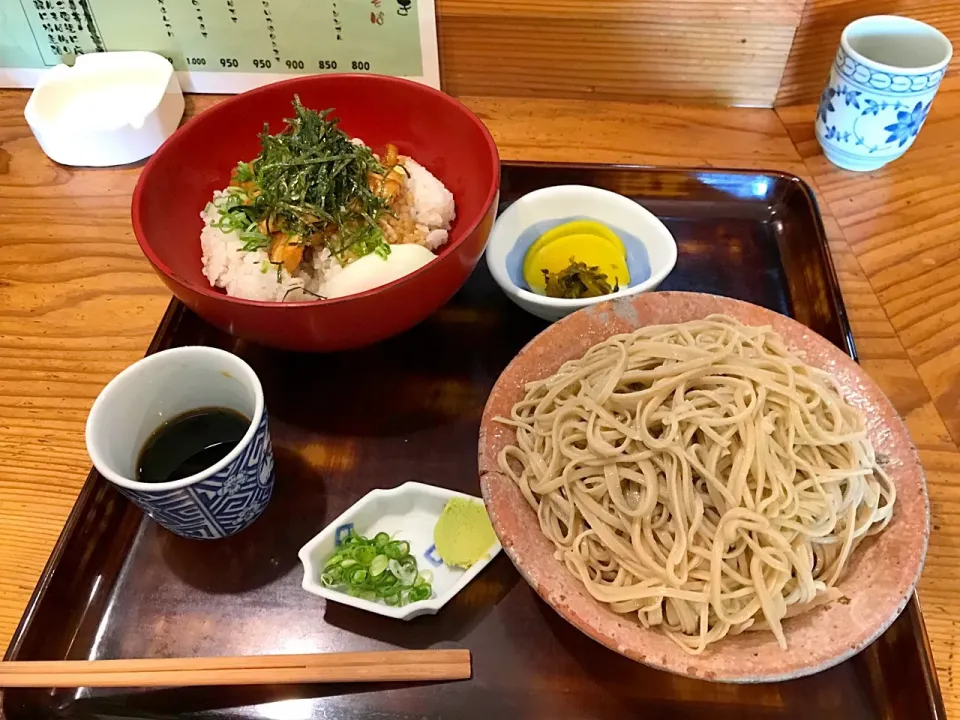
(705, 486)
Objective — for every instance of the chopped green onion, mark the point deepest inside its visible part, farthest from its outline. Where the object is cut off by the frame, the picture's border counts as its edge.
(254, 241)
(396, 549)
(419, 592)
(378, 565)
(365, 554)
(404, 571)
(243, 173)
(376, 569)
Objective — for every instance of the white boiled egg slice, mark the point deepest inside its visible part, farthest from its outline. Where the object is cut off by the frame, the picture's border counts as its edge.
(372, 271)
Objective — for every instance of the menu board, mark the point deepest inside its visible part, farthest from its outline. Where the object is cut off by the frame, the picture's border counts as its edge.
(225, 45)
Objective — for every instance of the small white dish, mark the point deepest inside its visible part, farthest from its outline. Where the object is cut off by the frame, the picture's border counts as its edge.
(110, 108)
(408, 512)
(649, 243)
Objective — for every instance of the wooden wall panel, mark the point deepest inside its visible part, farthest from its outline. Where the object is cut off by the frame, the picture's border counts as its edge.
(818, 35)
(686, 51)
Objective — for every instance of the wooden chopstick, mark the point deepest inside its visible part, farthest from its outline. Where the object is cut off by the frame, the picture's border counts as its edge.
(383, 666)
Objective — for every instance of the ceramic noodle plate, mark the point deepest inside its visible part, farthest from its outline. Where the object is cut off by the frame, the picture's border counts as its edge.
(876, 583)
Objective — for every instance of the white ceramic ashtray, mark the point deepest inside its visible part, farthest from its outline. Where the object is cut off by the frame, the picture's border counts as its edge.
(408, 514)
(110, 108)
(647, 247)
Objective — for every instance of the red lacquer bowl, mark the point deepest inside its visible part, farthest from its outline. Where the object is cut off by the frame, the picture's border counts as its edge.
(426, 124)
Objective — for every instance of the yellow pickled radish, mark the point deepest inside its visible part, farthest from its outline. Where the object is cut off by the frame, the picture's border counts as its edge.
(592, 250)
(578, 227)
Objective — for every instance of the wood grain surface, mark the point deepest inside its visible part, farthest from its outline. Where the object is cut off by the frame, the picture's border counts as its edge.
(78, 302)
(691, 51)
(901, 226)
(683, 50)
(818, 35)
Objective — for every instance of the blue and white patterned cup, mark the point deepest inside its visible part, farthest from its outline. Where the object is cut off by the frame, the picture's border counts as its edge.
(887, 70)
(223, 499)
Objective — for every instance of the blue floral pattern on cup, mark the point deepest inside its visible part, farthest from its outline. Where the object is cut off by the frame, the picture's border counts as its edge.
(867, 117)
(221, 505)
(908, 123)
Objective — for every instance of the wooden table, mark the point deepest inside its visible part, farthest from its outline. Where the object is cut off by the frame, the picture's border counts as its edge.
(78, 302)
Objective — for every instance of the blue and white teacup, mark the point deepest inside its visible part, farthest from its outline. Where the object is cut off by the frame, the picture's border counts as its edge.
(887, 71)
(217, 502)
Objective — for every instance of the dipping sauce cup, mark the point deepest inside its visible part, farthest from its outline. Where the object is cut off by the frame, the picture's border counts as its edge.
(217, 502)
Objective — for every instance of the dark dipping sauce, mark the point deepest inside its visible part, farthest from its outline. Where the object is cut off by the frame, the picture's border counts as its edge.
(190, 443)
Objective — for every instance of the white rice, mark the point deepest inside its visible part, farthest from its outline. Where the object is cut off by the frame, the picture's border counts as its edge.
(251, 276)
(433, 209)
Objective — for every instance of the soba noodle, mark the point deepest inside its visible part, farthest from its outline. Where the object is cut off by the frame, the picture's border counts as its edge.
(700, 476)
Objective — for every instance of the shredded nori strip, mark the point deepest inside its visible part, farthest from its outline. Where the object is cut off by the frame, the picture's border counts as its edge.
(311, 181)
